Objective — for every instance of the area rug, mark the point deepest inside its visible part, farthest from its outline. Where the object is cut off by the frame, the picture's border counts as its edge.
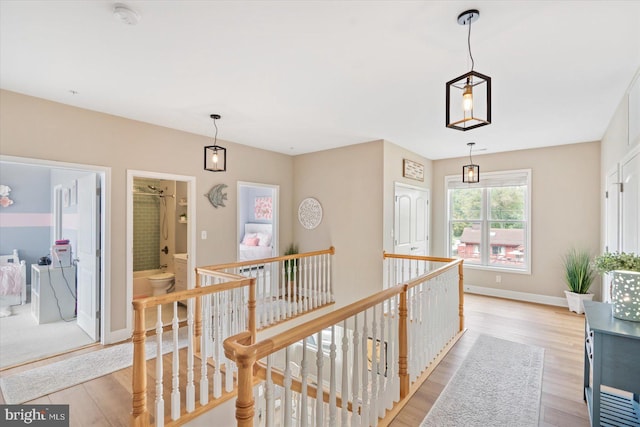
(498, 384)
(26, 386)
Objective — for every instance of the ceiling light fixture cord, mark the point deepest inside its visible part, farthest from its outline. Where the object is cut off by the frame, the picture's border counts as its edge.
(469, 43)
(215, 136)
(470, 148)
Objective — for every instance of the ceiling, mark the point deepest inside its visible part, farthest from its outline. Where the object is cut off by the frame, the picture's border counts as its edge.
(303, 76)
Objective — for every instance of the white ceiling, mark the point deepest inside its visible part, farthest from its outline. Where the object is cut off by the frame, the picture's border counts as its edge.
(302, 76)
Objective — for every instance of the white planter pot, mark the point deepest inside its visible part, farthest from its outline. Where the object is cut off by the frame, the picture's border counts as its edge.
(625, 295)
(575, 301)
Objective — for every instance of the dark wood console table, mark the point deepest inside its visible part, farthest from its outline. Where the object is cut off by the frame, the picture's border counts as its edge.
(612, 352)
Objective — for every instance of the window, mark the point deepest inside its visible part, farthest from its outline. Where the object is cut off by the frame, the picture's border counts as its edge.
(488, 222)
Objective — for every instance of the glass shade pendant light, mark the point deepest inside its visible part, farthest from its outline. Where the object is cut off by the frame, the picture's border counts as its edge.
(469, 95)
(471, 172)
(215, 156)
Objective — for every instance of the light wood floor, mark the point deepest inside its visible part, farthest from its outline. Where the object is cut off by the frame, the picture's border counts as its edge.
(106, 401)
(559, 331)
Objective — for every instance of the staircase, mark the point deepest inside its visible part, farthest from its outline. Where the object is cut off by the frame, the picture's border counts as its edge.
(352, 366)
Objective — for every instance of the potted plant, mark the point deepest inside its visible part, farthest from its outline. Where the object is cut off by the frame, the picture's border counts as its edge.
(290, 266)
(579, 275)
(624, 269)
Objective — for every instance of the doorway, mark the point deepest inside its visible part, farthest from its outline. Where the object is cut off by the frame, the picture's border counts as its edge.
(160, 233)
(257, 219)
(56, 202)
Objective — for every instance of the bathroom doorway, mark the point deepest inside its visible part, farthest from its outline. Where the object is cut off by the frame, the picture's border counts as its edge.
(160, 235)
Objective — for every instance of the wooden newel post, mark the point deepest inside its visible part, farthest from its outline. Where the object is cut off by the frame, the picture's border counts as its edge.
(245, 403)
(139, 413)
(461, 295)
(404, 345)
(197, 333)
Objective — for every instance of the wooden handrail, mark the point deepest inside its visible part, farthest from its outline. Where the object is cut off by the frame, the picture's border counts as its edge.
(217, 267)
(418, 257)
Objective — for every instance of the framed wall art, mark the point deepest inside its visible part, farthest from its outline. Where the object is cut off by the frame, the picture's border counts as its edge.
(412, 170)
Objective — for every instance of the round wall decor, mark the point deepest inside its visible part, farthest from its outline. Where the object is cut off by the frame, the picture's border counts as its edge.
(310, 213)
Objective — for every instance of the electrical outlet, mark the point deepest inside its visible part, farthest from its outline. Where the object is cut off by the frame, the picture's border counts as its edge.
(203, 234)
(498, 278)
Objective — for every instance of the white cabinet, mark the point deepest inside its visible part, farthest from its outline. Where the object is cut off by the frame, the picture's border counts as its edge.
(53, 293)
(180, 270)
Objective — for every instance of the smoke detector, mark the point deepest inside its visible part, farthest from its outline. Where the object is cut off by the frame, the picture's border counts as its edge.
(125, 14)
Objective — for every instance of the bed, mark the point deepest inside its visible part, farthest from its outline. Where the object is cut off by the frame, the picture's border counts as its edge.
(257, 242)
(13, 282)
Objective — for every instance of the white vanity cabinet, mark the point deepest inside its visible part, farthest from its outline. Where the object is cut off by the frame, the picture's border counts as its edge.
(180, 270)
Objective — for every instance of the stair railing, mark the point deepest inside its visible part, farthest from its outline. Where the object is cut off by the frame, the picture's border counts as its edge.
(369, 356)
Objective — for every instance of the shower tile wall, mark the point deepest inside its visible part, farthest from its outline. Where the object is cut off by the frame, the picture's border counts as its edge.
(146, 226)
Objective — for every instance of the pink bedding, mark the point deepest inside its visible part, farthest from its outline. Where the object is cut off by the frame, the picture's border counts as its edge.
(10, 280)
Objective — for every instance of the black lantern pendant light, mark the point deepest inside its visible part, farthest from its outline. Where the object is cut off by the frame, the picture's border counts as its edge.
(471, 172)
(215, 157)
(469, 95)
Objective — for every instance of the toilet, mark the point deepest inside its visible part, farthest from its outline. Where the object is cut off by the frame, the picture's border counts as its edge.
(160, 283)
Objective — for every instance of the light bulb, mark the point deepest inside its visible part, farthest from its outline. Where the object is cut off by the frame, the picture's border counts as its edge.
(467, 98)
(215, 157)
(470, 174)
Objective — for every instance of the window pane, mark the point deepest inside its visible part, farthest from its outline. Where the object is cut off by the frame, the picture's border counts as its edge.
(465, 241)
(466, 203)
(507, 244)
(507, 203)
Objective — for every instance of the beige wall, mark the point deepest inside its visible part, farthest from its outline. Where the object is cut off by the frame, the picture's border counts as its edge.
(347, 182)
(393, 157)
(35, 128)
(565, 211)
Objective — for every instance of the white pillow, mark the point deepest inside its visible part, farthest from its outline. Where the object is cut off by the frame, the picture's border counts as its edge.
(265, 239)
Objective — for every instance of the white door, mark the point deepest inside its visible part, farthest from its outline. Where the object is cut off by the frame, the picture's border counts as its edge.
(88, 273)
(630, 204)
(411, 228)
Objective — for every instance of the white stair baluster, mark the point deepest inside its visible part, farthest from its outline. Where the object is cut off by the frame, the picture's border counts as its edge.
(204, 349)
(319, 381)
(304, 405)
(344, 387)
(175, 368)
(307, 291)
(373, 415)
(191, 390)
(287, 388)
(329, 282)
(382, 366)
(365, 372)
(159, 372)
(332, 378)
(217, 343)
(355, 382)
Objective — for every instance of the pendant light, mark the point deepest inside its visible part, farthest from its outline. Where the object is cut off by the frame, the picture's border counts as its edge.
(471, 172)
(469, 95)
(215, 157)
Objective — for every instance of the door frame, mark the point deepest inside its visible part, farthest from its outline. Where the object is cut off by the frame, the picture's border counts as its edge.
(397, 184)
(191, 231)
(104, 175)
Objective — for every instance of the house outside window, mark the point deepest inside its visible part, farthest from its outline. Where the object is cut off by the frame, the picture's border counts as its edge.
(489, 222)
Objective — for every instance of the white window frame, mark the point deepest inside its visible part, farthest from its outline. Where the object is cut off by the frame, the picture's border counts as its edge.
(489, 180)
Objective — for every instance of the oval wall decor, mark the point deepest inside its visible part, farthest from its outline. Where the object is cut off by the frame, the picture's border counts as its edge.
(310, 213)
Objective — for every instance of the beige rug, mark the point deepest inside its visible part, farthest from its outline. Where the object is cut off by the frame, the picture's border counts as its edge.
(37, 382)
(498, 384)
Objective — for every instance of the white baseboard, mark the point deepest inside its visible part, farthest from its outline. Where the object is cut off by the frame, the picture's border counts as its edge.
(515, 295)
